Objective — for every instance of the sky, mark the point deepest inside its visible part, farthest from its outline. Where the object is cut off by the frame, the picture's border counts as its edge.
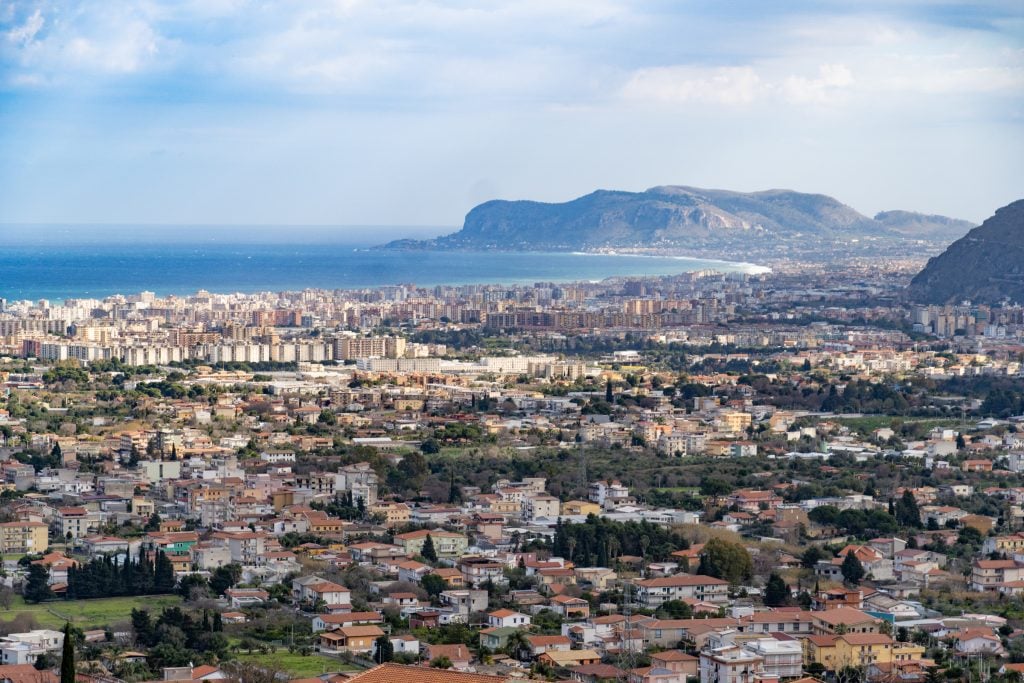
(393, 112)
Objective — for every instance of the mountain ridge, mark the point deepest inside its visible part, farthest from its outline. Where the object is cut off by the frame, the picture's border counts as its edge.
(984, 266)
(680, 216)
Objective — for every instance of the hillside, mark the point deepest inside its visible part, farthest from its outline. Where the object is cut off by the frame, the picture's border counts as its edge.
(681, 217)
(984, 266)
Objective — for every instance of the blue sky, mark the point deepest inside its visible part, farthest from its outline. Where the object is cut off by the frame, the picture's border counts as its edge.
(393, 112)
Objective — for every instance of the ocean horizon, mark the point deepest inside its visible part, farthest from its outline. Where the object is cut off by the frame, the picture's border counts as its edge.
(96, 270)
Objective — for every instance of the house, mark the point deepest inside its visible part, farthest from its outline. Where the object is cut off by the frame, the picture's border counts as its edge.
(843, 619)
(850, 650)
(651, 593)
(780, 658)
(752, 501)
(538, 644)
(246, 597)
(595, 673)
(25, 673)
(446, 543)
(677, 661)
(357, 639)
(729, 664)
(566, 658)
(26, 648)
(507, 617)
(328, 622)
(464, 602)
(313, 589)
(459, 654)
(570, 608)
(496, 637)
(992, 575)
(412, 571)
(978, 641)
(402, 601)
(477, 571)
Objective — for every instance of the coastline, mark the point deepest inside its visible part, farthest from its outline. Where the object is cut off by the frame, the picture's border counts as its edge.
(59, 273)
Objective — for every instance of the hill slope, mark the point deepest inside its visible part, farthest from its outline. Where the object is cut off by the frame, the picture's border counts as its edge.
(985, 266)
(680, 216)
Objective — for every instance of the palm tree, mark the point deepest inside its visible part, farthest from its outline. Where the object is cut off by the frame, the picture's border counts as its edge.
(517, 644)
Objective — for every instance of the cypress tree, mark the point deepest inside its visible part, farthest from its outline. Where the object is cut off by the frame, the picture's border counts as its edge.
(67, 660)
(852, 569)
(429, 552)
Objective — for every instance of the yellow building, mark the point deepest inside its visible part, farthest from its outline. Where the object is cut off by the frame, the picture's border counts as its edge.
(24, 537)
(393, 513)
(735, 421)
(580, 507)
(907, 652)
(446, 543)
(850, 649)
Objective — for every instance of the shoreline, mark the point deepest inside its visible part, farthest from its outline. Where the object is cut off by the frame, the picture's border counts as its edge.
(235, 256)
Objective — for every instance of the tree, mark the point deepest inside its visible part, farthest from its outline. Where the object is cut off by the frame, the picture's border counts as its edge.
(429, 552)
(154, 523)
(383, 651)
(37, 585)
(67, 660)
(163, 578)
(608, 396)
(725, 560)
(675, 609)
(193, 587)
(811, 556)
(441, 662)
(225, 577)
(433, 584)
(430, 446)
(907, 512)
(776, 592)
(852, 569)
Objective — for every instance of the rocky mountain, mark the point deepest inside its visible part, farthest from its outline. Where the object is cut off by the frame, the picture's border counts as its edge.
(679, 217)
(985, 266)
(924, 226)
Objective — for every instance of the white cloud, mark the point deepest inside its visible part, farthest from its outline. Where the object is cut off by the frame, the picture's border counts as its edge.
(718, 85)
(829, 85)
(21, 35)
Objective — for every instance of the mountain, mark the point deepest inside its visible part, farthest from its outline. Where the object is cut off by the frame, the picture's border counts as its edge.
(924, 226)
(985, 266)
(679, 217)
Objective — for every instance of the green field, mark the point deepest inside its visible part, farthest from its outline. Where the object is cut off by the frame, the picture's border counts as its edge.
(298, 665)
(88, 614)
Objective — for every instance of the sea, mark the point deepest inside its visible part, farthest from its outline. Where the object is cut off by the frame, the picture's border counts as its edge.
(94, 270)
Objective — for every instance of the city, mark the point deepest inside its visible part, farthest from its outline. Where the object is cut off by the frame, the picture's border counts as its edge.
(725, 478)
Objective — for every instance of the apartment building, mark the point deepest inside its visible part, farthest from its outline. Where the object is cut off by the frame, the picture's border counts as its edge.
(651, 593)
(24, 537)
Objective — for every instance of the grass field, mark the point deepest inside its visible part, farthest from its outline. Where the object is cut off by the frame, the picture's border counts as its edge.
(298, 665)
(88, 613)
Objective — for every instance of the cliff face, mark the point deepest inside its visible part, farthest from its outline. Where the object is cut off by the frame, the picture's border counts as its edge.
(677, 216)
(984, 266)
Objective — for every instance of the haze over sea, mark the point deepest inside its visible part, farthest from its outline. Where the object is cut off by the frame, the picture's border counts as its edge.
(50, 262)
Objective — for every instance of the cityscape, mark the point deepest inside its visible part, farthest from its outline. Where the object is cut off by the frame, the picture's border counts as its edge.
(366, 342)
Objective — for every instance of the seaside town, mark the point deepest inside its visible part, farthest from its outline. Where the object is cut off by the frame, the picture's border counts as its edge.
(724, 478)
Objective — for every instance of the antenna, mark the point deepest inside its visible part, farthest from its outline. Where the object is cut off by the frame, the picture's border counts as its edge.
(627, 657)
(583, 469)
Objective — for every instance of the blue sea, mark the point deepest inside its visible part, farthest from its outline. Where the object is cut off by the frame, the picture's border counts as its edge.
(32, 271)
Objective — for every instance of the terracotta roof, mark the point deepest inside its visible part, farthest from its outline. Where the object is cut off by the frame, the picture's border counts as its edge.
(389, 673)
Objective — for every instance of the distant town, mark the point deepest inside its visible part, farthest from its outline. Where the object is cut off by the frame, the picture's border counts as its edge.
(714, 478)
